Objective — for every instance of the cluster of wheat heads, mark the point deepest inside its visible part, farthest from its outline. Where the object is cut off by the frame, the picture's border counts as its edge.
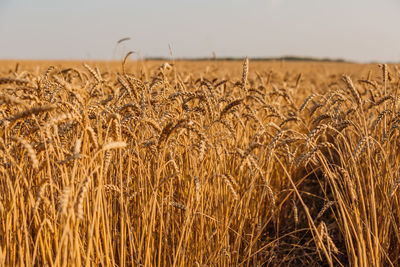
(171, 168)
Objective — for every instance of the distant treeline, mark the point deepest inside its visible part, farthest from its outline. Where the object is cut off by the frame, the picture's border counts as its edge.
(285, 58)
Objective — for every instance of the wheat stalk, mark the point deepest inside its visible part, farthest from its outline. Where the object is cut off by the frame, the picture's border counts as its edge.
(245, 72)
(81, 196)
(64, 200)
(31, 111)
(352, 89)
(31, 152)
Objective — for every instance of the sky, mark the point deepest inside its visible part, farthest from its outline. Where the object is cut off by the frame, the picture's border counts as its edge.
(356, 30)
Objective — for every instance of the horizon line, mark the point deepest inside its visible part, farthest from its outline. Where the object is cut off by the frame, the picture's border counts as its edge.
(289, 58)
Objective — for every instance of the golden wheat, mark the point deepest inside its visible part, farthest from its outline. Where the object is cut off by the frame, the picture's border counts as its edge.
(205, 163)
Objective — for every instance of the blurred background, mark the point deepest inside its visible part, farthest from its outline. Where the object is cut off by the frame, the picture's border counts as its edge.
(355, 30)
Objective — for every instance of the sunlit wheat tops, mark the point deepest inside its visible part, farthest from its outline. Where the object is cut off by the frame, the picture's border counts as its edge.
(204, 163)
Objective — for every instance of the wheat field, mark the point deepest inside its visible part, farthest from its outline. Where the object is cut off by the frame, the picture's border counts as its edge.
(202, 163)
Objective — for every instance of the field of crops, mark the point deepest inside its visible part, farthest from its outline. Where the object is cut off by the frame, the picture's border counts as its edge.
(200, 163)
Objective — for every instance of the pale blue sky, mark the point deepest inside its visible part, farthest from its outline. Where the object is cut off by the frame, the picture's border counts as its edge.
(360, 30)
